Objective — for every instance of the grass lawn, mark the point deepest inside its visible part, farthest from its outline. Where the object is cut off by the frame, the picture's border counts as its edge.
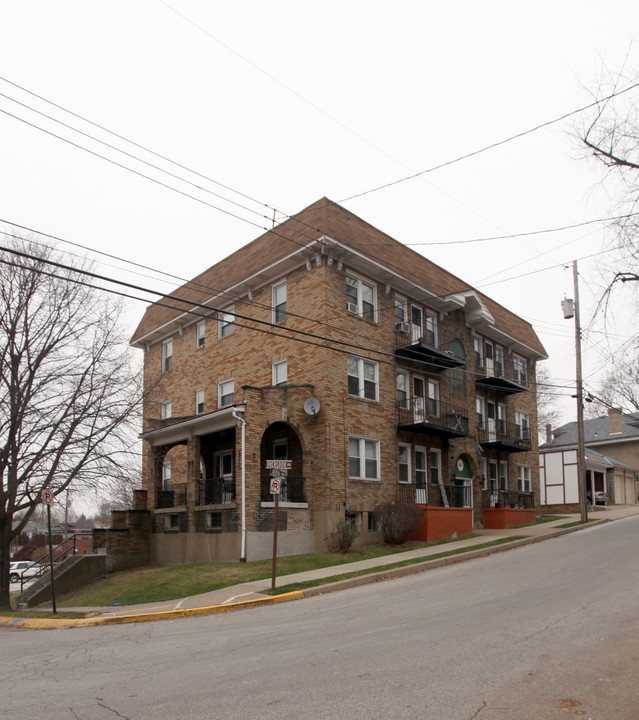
(155, 584)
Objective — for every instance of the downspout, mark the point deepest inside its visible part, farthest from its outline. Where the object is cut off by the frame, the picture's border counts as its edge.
(242, 422)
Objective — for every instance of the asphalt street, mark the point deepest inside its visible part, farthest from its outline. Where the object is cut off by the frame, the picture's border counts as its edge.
(544, 631)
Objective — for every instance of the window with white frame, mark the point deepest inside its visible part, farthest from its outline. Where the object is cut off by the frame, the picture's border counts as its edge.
(401, 314)
(433, 398)
(478, 347)
(165, 410)
(361, 377)
(500, 367)
(492, 475)
(199, 334)
(279, 302)
(402, 390)
(520, 370)
(199, 401)
(481, 412)
(166, 475)
(167, 355)
(522, 423)
(280, 372)
(360, 297)
(435, 466)
(363, 458)
(431, 328)
(226, 392)
(226, 322)
(404, 463)
(503, 475)
(524, 478)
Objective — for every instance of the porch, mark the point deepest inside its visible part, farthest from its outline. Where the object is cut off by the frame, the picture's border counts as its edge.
(504, 508)
(447, 510)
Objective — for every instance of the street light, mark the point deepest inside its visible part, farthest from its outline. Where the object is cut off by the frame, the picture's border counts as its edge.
(571, 310)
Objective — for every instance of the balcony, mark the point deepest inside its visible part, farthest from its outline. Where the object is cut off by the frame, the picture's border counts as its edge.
(447, 510)
(291, 489)
(170, 498)
(435, 348)
(502, 435)
(506, 508)
(503, 375)
(432, 416)
(217, 491)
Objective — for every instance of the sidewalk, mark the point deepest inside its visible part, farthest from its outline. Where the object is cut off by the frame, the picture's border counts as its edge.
(253, 593)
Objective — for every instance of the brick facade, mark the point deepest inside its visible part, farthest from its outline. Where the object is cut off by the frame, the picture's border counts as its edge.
(194, 458)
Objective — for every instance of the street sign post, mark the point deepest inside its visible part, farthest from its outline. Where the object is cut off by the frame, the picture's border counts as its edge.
(278, 469)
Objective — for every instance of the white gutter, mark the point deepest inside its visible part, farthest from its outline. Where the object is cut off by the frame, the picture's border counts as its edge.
(242, 421)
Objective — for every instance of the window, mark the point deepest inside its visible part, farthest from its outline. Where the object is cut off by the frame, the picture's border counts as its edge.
(416, 323)
(435, 466)
(280, 372)
(226, 323)
(360, 297)
(167, 355)
(172, 522)
(522, 422)
(492, 475)
(226, 392)
(520, 370)
(479, 405)
(214, 520)
(199, 401)
(503, 475)
(363, 458)
(373, 525)
(401, 314)
(165, 410)
(431, 328)
(279, 303)
(458, 375)
(499, 361)
(479, 352)
(362, 377)
(421, 479)
(404, 463)
(402, 390)
(199, 334)
(166, 475)
(524, 477)
(433, 398)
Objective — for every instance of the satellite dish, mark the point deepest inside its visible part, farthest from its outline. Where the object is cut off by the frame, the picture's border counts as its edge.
(311, 406)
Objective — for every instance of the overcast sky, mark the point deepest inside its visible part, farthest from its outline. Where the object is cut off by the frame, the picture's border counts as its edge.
(288, 101)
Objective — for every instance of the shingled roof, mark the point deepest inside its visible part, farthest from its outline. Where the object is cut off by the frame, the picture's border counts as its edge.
(302, 231)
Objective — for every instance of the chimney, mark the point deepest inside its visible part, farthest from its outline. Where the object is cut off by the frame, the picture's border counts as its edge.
(548, 433)
(615, 421)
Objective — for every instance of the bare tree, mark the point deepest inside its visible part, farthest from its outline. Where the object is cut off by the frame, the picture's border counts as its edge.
(547, 410)
(611, 136)
(67, 388)
(620, 385)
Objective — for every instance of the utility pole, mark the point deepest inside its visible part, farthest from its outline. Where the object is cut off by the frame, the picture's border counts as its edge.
(581, 446)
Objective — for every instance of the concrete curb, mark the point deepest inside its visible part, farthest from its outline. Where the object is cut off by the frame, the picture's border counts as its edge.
(65, 623)
(372, 577)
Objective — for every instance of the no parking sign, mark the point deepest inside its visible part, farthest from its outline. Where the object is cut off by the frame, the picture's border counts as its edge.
(275, 486)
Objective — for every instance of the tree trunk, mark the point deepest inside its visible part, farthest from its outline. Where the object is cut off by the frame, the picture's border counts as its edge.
(5, 560)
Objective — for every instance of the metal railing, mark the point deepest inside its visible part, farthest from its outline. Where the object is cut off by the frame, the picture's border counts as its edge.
(432, 337)
(170, 498)
(59, 552)
(217, 491)
(437, 413)
(291, 489)
(517, 499)
(504, 433)
(502, 367)
(458, 496)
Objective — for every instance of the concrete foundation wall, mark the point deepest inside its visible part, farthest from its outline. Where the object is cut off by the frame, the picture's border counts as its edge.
(192, 547)
(289, 542)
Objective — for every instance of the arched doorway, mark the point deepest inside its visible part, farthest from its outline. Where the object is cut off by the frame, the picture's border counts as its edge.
(281, 442)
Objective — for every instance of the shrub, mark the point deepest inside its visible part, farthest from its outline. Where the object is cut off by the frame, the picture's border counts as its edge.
(343, 537)
(398, 521)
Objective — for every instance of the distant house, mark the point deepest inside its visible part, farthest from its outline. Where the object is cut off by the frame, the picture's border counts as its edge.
(365, 371)
(612, 462)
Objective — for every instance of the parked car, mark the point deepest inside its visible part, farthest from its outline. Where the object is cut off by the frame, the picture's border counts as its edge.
(601, 498)
(24, 569)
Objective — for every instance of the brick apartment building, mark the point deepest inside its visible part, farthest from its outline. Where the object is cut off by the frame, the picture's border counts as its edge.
(377, 373)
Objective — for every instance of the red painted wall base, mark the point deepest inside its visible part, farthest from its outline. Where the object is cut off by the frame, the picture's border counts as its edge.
(441, 523)
(502, 518)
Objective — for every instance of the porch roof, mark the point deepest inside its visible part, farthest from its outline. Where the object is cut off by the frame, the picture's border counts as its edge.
(197, 425)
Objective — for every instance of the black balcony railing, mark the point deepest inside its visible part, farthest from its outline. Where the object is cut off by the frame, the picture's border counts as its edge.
(170, 498)
(504, 374)
(518, 499)
(459, 496)
(504, 435)
(291, 489)
(436, 346)
(217, 491)
(435, 415)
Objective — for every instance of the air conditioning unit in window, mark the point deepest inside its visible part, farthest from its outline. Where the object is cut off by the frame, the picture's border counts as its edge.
(402, 327)
(351, 307)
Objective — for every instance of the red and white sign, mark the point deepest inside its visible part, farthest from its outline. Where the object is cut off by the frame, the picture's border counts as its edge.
(279, 464)
(275, 486)
(47, 497)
